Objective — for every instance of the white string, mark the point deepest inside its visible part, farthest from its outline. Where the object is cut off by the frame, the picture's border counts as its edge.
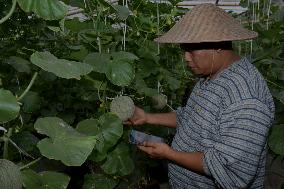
(268, 14)
(253, 16)
(124, 28)
(99, 44)
(258, 7)
(158, 86)
(158, 23)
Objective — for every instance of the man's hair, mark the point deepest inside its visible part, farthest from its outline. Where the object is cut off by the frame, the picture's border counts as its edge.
(224, 45)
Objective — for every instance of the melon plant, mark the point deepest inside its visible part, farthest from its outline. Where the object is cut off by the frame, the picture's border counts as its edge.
(123, 107)
(10, 175)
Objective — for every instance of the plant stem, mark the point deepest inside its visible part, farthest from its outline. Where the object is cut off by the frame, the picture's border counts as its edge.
(29, 86)
(6, 143)
(271, 82)
(31, 163)
(4, 19)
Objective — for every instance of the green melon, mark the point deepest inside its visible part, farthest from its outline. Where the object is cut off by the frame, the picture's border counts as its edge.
(123, 107)
(10, 175)
(159, 101)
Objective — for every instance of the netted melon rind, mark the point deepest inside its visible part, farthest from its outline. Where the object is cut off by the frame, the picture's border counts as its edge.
(10, 175)
(123, 107)
(159, 101)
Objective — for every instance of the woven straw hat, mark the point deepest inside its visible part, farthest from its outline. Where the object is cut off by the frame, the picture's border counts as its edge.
(206, 23)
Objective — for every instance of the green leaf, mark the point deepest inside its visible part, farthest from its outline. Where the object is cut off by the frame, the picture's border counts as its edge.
(19, 64)
(108, 129)
(31, 102)
(121, 11)
(124, 56)
(119, 161)
(99, 181)
(278, 94)
(44, 180)
(9, 107)
(60, 67)
(141, 87)
(98, 61)
(97, 156)
(120, 73)
(174, 84)
(65, 143)
(46, 9)
(76, 26)
(79, 55)
(25, 140)
(31, 180)
(54, 180)
(276, 139)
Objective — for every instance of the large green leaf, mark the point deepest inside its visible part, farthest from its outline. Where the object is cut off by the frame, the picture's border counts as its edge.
(44, 180)
(99, 181)
(65, 143)
(124, 56)
(98, 61)
(25, 140)
(46, 9)
(31, 102)
(19, 64)
(120, 73)
(278, 94)
(276, 139)
(108, 129)
(119, 161)
(9, 108)
(121, 11)
(60, 67)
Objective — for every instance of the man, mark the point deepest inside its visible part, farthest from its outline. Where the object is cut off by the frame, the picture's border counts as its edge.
(221, 133)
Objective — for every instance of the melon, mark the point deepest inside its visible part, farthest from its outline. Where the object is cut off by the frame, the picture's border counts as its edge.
(123, 107)
(159, 101)
(10, 175)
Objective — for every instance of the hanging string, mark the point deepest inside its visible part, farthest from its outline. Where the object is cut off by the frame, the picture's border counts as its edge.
(252, 23)
(268, 14)
(240, 44)
(158, 23)
(253, 16)
(258, 8)
(124, 28)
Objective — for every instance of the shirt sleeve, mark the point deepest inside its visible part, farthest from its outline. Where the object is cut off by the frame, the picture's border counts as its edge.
(179, 113)
(234, 159)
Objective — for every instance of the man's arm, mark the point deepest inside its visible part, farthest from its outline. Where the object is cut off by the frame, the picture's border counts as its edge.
(190, 160)
(141, 117)
(165, 119)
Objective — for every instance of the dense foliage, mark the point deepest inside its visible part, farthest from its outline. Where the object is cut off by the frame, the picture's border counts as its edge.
(59, 75)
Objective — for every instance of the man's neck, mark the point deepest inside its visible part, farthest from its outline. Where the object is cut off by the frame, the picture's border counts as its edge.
(227, 58)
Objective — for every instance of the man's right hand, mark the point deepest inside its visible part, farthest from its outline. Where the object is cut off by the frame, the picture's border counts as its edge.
(139, 117)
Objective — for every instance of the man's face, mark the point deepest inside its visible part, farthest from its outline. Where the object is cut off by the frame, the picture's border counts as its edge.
(200, 61)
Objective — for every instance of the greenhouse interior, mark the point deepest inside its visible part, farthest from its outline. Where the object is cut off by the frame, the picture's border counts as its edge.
(141, 94)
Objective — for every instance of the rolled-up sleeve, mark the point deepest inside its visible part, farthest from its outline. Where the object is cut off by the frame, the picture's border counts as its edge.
(233, 161)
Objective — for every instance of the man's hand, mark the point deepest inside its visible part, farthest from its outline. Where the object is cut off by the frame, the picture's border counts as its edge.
(156, 150)
(139, 117)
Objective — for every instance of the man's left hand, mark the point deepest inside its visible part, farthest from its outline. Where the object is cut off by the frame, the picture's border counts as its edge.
(156, 150)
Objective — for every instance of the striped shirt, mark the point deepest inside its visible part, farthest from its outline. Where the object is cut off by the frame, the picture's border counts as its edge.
(228, 119)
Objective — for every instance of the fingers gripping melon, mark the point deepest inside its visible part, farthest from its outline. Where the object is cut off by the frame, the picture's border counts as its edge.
(10, 175)
(123, 107)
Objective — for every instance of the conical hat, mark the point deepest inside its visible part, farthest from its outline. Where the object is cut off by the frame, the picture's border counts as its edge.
(206, 23)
